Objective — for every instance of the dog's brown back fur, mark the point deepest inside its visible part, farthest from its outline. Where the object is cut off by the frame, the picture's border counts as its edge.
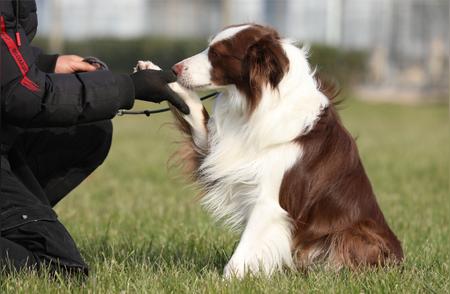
(330, 199)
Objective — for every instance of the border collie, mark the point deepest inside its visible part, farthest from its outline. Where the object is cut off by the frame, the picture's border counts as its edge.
(274, 160)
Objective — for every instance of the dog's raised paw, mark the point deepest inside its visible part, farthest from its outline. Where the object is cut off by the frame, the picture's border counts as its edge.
(143, 65)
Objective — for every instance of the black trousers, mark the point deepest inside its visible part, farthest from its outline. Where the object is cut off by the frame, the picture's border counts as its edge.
(42, 167)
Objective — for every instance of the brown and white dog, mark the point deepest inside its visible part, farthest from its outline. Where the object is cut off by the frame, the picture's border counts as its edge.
(275, 160)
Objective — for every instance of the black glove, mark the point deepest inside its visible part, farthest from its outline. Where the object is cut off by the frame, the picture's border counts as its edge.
(151, 85)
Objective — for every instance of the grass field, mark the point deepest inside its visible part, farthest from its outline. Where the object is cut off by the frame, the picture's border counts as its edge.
(141, 230)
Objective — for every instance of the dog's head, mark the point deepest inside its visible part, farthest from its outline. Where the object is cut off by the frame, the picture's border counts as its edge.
(245, 57)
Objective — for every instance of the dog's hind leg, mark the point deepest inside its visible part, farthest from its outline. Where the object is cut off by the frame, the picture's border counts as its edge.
(365, 243)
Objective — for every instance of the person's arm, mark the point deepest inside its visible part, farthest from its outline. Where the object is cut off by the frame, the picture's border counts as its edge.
(33, 98)
(45, 62)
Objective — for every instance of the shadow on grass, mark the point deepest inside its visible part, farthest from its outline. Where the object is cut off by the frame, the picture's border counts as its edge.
(189, 252)
(200, 255)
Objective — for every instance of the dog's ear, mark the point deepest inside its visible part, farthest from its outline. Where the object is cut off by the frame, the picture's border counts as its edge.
(265, 63)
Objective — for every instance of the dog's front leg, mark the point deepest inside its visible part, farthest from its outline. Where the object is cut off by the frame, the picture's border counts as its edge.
(265, 244)
(195, 123)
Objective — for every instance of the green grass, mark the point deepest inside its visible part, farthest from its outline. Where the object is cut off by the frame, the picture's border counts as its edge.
(140, 228)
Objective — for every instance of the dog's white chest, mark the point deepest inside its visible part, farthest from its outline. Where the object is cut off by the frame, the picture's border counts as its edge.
(231, 174)
(238, 172)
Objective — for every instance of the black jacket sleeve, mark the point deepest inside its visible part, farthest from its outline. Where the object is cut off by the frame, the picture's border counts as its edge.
(57, 99)
(44, 62)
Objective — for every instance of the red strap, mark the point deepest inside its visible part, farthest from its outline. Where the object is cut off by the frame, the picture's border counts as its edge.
(18, 41)
(18, 58)
(29, 84)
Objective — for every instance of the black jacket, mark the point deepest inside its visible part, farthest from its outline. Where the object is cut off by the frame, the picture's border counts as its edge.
(33, 96)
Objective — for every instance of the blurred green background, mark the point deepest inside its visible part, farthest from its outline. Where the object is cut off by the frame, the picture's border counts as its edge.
(346, 67)
(386, 50)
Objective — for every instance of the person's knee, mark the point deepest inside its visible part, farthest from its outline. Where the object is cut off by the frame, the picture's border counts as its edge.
(106, 128)
(14, 257)
(103, 137)
(47, 245)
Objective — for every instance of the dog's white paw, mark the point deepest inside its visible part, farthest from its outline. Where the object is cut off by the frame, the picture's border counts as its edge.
(249, 264)
(143, 65)
(234, 270)
(189, 97)
(238, 268)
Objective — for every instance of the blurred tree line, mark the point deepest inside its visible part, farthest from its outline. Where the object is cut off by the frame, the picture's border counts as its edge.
(344, 67)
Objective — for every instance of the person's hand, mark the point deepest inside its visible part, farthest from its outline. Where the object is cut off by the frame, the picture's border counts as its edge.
(72, 64)
(151, 85)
